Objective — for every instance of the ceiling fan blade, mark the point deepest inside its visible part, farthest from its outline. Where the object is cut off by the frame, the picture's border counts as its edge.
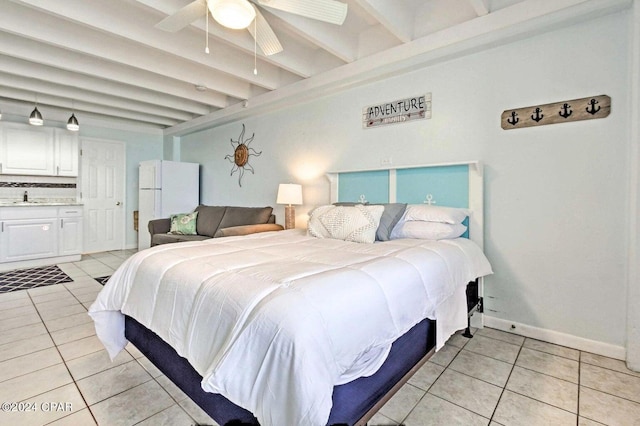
(264, 35)
(331, 11)
(183, 17)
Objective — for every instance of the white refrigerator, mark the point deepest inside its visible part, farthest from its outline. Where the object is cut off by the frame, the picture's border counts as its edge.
(166, 188)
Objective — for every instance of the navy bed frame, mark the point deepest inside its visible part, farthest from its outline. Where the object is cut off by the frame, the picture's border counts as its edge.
(354, 403)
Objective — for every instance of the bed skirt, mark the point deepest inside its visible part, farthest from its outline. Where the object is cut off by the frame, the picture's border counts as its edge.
(353, 403)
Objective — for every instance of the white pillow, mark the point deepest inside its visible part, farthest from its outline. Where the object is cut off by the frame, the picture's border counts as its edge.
(427, 230)
(349, 223)
(429, 213)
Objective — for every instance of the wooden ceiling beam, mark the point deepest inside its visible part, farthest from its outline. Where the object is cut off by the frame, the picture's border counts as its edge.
(480, 6)
(77, 96)
(45, 100)
(399, 21)
(134, 25)
(78, 38)
(98, 86)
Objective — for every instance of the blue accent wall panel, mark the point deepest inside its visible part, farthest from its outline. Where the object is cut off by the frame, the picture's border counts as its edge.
(374, 185)
(449, 185)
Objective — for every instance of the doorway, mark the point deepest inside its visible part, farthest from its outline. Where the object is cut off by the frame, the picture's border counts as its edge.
(102, 165)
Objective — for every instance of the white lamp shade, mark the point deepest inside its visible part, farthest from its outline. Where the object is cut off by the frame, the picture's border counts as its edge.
(289, 193)
(234, 14)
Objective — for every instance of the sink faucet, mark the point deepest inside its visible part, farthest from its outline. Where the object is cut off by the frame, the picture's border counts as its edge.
(25, 197)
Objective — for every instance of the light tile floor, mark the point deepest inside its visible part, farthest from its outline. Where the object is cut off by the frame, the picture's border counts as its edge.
(56, 371)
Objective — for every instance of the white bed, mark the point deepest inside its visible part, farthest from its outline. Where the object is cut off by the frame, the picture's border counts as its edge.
(296, 315)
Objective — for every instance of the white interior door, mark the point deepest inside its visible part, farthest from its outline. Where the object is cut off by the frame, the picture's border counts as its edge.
(103, 178)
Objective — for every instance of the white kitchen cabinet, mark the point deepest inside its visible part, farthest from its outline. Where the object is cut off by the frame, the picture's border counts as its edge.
(70, 241)
(30, 150)
(28, 239)
(26, 150)
(66, 153)
(46, 234)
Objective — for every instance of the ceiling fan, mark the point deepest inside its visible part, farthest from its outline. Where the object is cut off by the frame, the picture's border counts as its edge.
(240, 14)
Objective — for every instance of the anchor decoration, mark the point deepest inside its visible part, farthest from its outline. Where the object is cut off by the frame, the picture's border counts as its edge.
(538, 116)
(429, 200)
(566, 111)
(589, 108)
(514, 118)
(593, 110)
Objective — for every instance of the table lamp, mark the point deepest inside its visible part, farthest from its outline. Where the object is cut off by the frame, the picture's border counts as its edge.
(289, 193)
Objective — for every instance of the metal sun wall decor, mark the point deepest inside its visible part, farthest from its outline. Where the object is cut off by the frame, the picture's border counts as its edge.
(559, 112)
(241, 154)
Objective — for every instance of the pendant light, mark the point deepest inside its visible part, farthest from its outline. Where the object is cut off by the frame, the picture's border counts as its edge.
(35, 119)
(72, 124)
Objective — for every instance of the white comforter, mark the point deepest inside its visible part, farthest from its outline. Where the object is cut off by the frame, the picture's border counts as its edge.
(273, 321)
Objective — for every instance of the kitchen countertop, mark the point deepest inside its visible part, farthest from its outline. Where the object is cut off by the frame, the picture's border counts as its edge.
(38, 203)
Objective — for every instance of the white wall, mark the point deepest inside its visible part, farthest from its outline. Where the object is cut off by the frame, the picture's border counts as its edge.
(556, 210)
(633, 295)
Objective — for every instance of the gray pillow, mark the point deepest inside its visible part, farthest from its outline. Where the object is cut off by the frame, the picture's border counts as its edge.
(392, 214)
(209, 218)
(390, 217)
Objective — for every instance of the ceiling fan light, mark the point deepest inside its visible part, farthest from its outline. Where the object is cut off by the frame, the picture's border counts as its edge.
(35, 119)
(72, 124)
(234, 14)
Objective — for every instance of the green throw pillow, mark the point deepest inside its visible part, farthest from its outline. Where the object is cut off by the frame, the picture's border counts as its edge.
(184, 224)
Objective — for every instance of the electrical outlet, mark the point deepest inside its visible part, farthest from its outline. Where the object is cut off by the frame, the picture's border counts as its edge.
(387, 161)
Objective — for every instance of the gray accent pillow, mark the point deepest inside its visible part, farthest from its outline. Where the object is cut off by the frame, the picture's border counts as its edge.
(237, 216)
(390, 217)
(209, 218)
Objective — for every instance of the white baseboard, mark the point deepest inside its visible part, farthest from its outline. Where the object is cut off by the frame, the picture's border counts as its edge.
(556, 337)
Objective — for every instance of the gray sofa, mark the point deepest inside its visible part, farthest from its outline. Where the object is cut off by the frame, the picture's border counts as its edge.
(217, 221)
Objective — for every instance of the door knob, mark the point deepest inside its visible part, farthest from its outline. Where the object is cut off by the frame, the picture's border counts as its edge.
(118, 203)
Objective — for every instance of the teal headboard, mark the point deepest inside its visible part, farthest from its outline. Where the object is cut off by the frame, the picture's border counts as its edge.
(451, 185)
(374, 183)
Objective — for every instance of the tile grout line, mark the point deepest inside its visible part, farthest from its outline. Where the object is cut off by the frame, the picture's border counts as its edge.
(578, 398)
(168, 393)
(439, 397)
(504, 388)
(64, 362)
(545, 374)
(134, 359)
(431, 385)
(61, 357)
(55, 345)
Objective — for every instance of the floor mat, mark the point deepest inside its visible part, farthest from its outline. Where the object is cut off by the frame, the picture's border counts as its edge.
(22, 279)
(103, 280)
